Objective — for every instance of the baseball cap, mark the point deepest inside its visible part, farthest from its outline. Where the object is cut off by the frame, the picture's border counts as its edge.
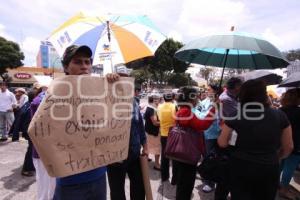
(74, 49)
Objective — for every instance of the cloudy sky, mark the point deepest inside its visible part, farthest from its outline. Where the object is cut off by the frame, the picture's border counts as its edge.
(30, 21)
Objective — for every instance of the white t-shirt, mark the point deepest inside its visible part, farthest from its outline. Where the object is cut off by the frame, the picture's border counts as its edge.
(7, 99)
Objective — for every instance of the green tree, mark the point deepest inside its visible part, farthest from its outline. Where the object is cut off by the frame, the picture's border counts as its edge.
(206, 72)
(164, 62)
(216, 81)
(141, 75)
(234, 72)
(10, 56)
(162, 65)
(141, 71)
(181, 79)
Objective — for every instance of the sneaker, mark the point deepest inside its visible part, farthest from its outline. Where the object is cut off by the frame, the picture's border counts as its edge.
(207, 189)
(27, 173)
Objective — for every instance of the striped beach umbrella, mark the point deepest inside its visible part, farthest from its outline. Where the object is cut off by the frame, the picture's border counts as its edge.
(114, 39)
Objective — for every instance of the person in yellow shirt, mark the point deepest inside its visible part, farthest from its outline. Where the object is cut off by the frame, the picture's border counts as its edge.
(166, 114)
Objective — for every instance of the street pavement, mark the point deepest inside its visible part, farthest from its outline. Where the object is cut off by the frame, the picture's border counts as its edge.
(14, 186)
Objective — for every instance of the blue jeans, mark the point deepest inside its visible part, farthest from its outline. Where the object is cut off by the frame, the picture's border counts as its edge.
(210, 147)
(95, 190)
(288, 166)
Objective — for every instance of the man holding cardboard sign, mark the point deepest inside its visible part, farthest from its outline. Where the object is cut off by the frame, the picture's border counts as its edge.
(81, 126)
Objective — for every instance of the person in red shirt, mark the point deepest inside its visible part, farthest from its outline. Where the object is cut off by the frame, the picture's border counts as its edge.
(186, 118)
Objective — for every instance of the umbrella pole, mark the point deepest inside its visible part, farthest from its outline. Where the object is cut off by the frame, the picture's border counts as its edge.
(224, 65)
(109, 40)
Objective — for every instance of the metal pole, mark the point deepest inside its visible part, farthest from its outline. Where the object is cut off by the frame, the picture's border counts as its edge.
(224, 65)
(109, 40)
(53, 72)
(225, 60)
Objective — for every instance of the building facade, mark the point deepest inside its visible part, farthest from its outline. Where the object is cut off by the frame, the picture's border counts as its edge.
(48, 57)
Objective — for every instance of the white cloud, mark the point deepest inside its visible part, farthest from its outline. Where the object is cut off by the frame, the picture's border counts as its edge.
(180, 19)
(283, 40)
(4, 34)
(49, 15)
(200, 18)
(290, 39)
(175, 35)
(272, 37)
(30, 47)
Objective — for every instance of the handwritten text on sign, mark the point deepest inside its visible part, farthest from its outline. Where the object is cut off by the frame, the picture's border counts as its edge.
(82, 123)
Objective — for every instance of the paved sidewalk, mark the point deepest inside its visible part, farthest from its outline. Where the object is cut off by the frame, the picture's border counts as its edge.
(13, 186)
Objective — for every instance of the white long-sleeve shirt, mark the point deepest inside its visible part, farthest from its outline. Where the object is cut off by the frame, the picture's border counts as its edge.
(7, 100)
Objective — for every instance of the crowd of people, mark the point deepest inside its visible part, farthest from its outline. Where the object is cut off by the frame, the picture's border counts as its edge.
(238, 122)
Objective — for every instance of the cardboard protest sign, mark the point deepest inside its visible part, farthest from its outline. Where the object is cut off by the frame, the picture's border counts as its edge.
(82, 123)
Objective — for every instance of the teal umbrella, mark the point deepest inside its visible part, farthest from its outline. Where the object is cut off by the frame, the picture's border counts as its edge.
(234, 50)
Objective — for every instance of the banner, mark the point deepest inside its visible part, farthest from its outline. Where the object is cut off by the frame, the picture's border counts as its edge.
(83, 123)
